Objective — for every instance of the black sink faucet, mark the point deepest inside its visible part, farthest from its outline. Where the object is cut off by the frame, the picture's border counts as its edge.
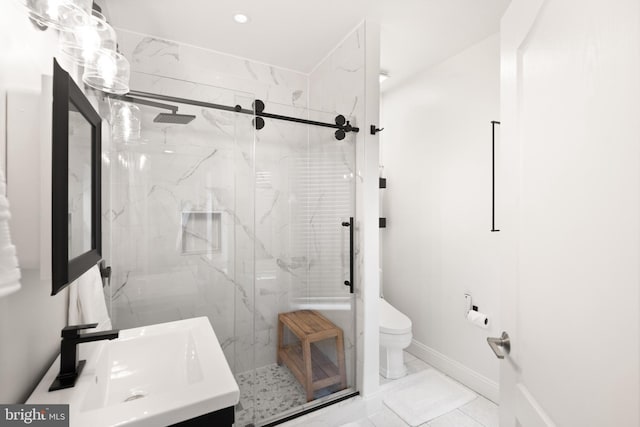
(70, 368)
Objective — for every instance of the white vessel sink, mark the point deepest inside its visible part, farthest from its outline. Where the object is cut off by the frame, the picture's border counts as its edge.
(150, 376)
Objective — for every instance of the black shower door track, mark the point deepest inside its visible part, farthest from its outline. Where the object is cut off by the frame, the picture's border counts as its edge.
(257, 111)
(312, 409)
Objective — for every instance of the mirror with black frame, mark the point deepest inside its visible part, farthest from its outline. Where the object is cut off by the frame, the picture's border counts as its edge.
(76, 164)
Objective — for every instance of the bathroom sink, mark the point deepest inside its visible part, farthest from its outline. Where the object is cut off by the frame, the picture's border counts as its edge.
(154, 375)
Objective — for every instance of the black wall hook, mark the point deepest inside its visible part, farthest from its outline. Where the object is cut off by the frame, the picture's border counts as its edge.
(375, 130)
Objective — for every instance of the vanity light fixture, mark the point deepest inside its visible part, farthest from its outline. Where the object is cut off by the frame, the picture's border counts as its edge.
(125, 121)
(58, 14)
(89, 34)
(241, 18)
(86, 38)
(108, 71)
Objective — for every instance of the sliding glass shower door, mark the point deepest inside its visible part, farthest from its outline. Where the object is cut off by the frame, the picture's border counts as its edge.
(182, 213)
(251, 228)
(304, 203)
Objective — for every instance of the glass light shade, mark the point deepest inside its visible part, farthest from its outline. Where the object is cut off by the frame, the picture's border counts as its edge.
(88, 34)
(57, 13)
(125, 121)
(108, 71)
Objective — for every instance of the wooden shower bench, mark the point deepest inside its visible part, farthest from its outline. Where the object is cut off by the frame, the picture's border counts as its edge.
(311, 366)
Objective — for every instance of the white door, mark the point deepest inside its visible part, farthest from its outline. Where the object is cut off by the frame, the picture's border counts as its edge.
(569, 213)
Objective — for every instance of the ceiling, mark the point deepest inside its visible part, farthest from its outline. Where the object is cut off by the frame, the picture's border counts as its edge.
(294, 34)
(297, 34)
(417, 34)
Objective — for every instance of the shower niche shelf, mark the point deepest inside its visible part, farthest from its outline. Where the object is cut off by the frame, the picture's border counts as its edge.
(201, 232)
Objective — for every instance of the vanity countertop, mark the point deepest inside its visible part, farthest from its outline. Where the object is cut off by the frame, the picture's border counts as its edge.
(152, 375)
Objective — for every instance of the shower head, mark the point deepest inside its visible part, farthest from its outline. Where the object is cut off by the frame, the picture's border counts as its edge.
(174, 118)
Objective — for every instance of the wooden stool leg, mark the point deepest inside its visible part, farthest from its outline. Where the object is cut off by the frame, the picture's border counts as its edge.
(280, 339)
(340, 358)
(306, 356)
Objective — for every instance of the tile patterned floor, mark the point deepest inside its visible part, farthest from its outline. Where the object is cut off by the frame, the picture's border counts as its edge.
(372, 412)
(277, 391)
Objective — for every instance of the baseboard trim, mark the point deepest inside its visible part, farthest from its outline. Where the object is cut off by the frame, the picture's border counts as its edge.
(475, 381)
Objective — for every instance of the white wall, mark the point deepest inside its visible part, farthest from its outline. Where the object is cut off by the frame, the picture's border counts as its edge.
(31, 319)
(436, 152)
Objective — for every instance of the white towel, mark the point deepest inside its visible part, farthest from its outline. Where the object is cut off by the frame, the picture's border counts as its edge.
(9, 270)
(86, 301)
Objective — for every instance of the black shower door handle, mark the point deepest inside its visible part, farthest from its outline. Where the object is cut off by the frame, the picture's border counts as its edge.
(349, 282)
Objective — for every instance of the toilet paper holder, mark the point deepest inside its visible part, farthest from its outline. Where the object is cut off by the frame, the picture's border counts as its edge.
(468, 305)
(479, 319)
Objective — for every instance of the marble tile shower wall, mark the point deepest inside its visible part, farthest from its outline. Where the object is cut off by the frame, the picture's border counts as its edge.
(207, 166)
(210, 169)
(337, 85)
(159, 57)
(320, 174)
(278, 145)
(165, 269)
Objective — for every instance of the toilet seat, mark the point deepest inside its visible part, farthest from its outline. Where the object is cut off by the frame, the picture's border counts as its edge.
(392, 321)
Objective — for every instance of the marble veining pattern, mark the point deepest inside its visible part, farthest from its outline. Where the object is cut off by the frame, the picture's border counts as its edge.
(337, 85)
(217, 163)
(158, 57)
(152, 46)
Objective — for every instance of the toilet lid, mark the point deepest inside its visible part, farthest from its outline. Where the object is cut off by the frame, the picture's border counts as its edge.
(392, 321)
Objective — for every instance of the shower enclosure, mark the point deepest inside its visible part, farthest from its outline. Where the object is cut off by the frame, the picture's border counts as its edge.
(213, 217)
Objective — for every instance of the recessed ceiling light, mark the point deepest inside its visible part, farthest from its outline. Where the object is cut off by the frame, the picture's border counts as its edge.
(241, 18)
(383, 76)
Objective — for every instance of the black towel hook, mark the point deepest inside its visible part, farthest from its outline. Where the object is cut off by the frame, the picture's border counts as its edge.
(375, 130)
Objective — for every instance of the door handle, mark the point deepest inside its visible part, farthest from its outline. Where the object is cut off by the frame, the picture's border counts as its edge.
(349, 282)
(493, 178)
(500, 346)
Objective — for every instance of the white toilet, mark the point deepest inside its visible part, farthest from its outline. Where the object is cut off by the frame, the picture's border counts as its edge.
(395, 336)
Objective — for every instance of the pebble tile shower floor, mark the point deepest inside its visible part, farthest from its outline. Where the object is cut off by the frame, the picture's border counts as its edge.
(277, 391)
